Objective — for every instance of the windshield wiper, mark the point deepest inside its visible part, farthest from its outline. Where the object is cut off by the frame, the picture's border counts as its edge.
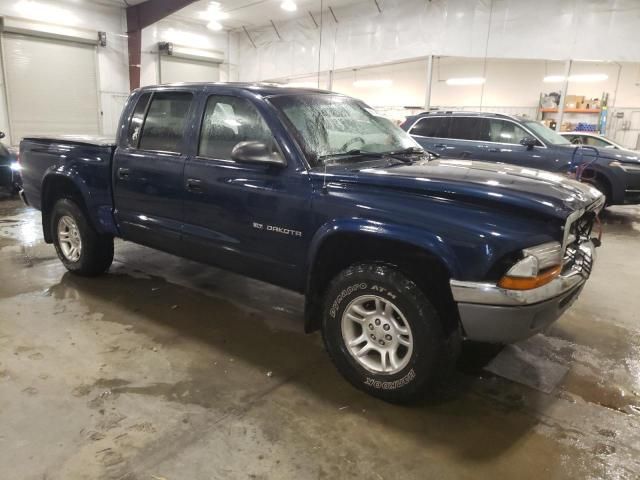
(397, 155)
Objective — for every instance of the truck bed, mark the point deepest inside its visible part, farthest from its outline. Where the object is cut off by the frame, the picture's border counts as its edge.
(60, 162)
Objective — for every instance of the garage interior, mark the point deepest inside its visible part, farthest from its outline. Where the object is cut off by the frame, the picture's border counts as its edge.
(168, 369)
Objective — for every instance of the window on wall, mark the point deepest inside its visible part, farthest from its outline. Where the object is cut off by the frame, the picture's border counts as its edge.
(164, 126)
(432, 127)
(228, 121)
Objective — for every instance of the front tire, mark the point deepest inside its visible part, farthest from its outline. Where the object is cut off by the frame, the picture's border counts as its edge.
(383, 334)
(81, 249)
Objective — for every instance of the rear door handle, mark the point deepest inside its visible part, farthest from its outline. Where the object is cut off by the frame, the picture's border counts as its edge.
(439, 145)
(123, 173)
(194, 185)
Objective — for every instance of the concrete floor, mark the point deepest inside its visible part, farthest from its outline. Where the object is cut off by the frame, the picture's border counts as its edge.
(169, 370)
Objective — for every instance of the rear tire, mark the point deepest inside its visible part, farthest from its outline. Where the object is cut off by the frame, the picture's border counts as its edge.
(81, 249)
(373, 312)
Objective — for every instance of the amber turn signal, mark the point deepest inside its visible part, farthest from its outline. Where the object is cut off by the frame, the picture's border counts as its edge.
(528, 283)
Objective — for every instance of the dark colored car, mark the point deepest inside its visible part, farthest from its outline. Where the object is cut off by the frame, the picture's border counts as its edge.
(508, 139)
(10, 180)
(399, 254)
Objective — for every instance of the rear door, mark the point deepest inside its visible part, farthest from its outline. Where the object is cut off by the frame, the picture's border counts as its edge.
(148, 170)
(432, 134)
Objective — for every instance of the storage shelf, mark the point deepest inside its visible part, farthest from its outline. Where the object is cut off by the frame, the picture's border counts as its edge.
(571, 110)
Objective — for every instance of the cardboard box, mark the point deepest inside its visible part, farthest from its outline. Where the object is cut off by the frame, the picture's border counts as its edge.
(572, 101)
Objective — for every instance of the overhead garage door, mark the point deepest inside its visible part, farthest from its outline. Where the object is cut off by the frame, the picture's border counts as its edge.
(176, 69)
(51, 85)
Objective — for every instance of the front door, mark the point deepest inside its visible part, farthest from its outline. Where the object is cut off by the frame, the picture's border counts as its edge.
(148, 170)
(500, 142)
(246, 217)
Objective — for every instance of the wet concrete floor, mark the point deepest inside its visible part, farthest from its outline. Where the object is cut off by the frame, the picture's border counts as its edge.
(169, 370)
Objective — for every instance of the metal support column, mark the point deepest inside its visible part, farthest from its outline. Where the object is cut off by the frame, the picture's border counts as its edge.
(140, 16)
(563, 94)
(427, 93)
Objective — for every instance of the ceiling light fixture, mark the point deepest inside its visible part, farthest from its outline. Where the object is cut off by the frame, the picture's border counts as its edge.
(214, 25)
(584, 78)
(372, 83)
(289, 6)
(465, 81)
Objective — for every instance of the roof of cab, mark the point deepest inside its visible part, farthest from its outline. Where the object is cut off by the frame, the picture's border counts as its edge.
(265, 89)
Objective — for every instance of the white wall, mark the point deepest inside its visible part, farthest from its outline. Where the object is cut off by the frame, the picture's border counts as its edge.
(112, 59)
(193, 36)
(113, 63)
(541, 29)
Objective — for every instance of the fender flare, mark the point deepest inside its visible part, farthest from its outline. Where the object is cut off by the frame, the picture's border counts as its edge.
(69, 174)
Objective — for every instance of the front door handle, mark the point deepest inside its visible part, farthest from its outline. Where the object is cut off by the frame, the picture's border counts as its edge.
(440, 145)
(123, 173)
(194, 185)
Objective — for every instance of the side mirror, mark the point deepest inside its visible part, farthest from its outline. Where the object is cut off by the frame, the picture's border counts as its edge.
(2, 135)
(529, 142)
(256, 152)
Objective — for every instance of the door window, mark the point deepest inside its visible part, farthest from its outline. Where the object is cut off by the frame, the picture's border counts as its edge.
(436, 127)
(135, 126)
(503, 131)
(228, 121)
(164, 126)
(468, 128)
(594, 142)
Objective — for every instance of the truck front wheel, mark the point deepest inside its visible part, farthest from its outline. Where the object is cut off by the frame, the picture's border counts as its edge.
(383, 334)
(80, 248)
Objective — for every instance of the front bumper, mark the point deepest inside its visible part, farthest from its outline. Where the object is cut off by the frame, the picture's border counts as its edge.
(492, 314)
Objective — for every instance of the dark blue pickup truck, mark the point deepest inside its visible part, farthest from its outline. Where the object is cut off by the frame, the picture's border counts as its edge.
(400, 254)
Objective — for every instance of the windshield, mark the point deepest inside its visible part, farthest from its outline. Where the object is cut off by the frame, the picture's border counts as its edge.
(548, 135)
(330, 126)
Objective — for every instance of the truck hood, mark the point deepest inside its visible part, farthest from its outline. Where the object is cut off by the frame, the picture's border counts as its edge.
(506, 186)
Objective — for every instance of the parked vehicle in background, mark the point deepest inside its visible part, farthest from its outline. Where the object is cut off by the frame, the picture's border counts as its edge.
(399, 254)
(592, 139)
(510, 139)
(10, 180)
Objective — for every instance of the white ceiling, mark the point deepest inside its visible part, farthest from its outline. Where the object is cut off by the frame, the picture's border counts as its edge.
(253, 13)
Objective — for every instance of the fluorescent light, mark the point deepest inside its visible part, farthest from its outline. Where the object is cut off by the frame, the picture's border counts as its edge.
(592, 77)
(289, 6)
(372, 83)
(214, 25)
(589, 77)
(465, 81)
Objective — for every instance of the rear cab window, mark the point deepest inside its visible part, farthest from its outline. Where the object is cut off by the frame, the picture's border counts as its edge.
(165, 121)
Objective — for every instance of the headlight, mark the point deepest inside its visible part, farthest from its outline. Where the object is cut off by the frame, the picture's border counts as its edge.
(627, 167)
(15, 166)
(538, 266)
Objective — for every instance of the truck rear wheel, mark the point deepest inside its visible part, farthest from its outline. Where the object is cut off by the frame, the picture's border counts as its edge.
(80, 248)
(383, 334)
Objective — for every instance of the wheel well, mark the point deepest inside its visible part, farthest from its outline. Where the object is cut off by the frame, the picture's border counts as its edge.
(340, 251)
(54, 189)
(593, 176)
